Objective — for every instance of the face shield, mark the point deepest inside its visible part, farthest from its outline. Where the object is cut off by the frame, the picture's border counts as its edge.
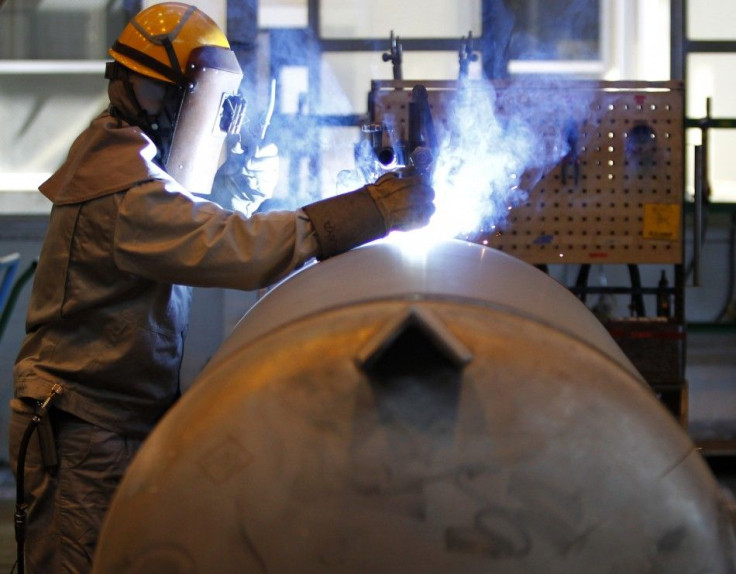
(210, 110)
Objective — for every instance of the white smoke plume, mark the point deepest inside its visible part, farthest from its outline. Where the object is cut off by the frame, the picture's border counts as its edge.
(498, 142)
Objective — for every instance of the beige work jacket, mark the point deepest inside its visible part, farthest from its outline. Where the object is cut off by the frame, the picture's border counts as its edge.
(110, 303)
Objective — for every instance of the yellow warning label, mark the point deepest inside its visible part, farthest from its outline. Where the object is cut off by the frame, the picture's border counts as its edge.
(662, 221)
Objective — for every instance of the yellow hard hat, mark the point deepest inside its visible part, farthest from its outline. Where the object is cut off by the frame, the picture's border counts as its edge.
(158, 40)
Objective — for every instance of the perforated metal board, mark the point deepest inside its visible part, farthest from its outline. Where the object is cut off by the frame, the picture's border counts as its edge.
(617, 199)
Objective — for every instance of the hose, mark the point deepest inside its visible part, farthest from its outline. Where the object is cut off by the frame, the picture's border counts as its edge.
(731, 270)
(20, 506)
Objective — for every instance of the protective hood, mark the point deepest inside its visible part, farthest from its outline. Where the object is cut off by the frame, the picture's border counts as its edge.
(210, 110)
(108, 157)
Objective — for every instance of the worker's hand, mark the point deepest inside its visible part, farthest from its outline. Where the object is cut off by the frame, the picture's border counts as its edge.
(351, 219)
(263, 168)
(404, 202)
(243, 184)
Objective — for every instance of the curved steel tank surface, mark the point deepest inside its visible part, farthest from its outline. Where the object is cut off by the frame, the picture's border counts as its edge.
(450, 410)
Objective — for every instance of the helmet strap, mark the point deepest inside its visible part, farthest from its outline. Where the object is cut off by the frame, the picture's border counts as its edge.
(172, 73)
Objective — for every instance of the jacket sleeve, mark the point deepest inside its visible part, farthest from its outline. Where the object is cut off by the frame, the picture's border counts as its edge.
(165, 234)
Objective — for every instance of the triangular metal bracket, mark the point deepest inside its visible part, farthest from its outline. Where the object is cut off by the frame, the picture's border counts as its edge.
(435, 335)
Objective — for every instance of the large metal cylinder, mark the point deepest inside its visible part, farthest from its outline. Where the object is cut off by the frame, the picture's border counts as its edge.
(455, 411)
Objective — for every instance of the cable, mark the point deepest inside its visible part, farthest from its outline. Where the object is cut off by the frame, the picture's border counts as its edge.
(731, 280)
(20, 506)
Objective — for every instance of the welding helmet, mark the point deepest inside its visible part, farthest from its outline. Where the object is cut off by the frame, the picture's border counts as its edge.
(180, 46)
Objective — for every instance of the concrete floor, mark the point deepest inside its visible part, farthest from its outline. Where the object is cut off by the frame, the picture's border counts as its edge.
(711, 374)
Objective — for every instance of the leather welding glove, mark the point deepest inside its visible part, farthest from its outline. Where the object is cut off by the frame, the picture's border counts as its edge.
(392, 203)
(243, 184)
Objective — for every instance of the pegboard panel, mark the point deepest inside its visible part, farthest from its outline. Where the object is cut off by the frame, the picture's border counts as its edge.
(614, 194)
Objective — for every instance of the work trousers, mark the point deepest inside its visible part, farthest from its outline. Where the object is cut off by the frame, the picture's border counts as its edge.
(67, 503)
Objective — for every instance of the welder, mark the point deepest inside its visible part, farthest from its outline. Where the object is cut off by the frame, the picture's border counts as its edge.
(131, 231)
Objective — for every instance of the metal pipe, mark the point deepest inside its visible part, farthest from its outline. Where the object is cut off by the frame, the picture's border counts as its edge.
(447, 409)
